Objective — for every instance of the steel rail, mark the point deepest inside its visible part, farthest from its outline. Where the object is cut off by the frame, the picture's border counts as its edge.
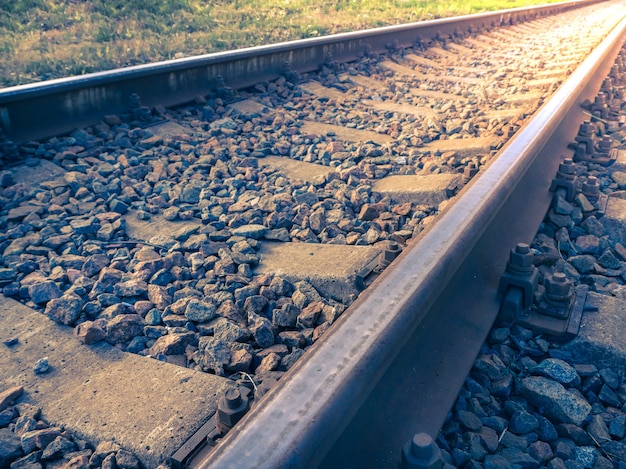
(54, 107)
(417, 312)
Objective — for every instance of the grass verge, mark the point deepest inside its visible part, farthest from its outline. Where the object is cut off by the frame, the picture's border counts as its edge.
(44, 39)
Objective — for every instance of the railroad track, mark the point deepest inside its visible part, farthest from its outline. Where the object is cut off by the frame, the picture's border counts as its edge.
(254, 194)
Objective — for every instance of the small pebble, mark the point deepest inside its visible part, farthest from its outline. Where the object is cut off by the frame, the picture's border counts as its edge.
(42, 366)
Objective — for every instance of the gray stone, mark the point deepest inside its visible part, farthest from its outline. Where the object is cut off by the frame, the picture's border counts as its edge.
(616, 448)
(547, 432)
(609, 397)
(617, 427)
(123, 328)
(469, 421)
(199, 311)
(496, 461)
(261, 329)
(285, 316)
(558, 370)
(575, 433)
(228, 331)
(583, 263)
(593, 226)
(489, 439)
(609, 261)
(7, 274)
(190, 193)
(212, 355)
(65, 309)
(620, 178)
(522, 422)
(585, 455)
(58, 447)
(598, 429)
(173, 343)
(587, 244)
(39, 438)
(41, 366)
(491, 366)
(43, 292)
(253, 231)
(126, 460)
(290, 359)
(90, 225)
(557, 402)
(540, 451)
(515, 456)
(94, 264)
(610, 377)
(10, 447)
(131, 288)
(89, 332)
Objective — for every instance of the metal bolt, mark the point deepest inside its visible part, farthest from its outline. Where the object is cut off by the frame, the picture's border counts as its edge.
(510, 131)
(604, 145)
(565, 180)
(231, 408)
(558, 288)
(421, 452)
(232, 398)
(591, 188)
(390, 251)
(134, 101)
(520, 260)
(567, 169)
(470, 171)
(586, 129)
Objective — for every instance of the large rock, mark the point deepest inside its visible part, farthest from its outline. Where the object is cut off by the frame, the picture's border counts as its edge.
(10, 447)
(172, 344)
(558, 403)
(199, 311)
(43, 292)
(124, 327)
(558, 370)
(65, 310)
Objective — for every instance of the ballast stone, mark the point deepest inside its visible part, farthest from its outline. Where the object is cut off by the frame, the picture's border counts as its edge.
(103, 394)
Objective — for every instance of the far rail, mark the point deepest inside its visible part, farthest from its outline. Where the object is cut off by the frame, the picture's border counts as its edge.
(55, 107)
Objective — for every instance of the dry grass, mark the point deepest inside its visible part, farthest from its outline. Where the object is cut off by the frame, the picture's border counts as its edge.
(43, 39)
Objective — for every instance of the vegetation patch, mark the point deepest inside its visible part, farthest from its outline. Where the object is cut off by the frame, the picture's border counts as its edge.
(44, 39)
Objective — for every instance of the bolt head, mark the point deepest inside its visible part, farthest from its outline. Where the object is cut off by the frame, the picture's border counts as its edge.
(520, 259)
(232, 397)
(567, 166)
(232, 407)
(421, 452)
(557, 286)
(585, 128)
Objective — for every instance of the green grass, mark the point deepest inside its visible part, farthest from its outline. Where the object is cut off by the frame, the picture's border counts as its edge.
(44, 39)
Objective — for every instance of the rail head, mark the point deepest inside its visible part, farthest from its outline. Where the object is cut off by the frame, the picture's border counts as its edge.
(55, 107)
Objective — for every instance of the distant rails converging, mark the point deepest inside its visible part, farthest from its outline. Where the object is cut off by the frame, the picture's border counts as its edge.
(402, 246)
